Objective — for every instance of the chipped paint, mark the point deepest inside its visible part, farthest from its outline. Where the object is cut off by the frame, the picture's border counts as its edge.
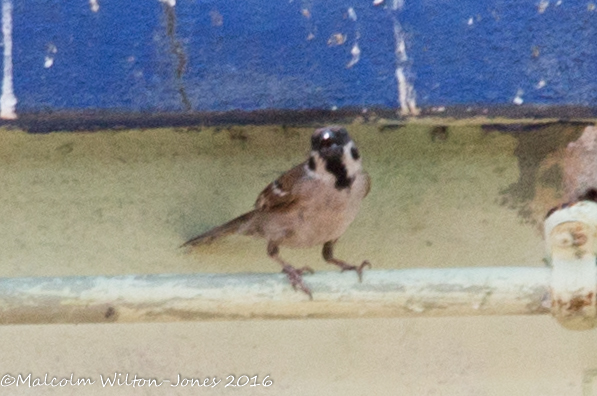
(177, 50)
(94, 5)
(542, 6)
(229, 69)
(541, 84)
(355, 51)
(390, 293)
(570, 241)
(336, 39)
(8, 100)
(352, 14)
(518, 98)
(356, 55)
(305, 10)
(50, 53)
(406, 91)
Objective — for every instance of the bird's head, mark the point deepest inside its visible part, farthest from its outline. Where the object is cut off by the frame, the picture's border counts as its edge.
(334, 152)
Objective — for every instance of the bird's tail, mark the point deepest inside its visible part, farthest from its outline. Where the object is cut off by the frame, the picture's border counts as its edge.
(231, 227)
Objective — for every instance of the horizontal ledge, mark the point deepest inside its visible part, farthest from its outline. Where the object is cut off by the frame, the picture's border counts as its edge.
(101, 119)
(383, 293)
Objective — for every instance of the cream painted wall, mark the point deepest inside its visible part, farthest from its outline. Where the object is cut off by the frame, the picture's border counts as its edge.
(121, 203)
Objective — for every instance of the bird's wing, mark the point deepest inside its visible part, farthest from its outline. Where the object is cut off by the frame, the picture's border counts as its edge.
(281, 193)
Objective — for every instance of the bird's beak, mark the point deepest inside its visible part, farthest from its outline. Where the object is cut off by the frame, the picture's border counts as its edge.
(333, 151)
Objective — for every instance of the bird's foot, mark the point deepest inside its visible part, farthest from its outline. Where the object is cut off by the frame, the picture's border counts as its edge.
(295, 276)
(348, 267)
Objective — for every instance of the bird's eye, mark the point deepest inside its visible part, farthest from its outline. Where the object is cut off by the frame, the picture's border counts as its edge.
(354, 152)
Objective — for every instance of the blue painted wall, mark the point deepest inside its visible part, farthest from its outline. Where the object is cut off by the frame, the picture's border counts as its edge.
(213, 55)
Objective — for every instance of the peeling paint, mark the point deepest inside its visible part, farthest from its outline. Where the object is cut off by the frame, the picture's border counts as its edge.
(49, 58)
(177, 50)
(377, 2)
(518, 98)
(542, 6)
(356, 55)
(8, 100)
(352, 14)
(305, 10)
(336, 39)
(406, 91)
(541, 84)
(355, 51)
(94, 5)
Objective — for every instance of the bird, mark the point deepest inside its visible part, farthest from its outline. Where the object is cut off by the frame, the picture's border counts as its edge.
(311, 204)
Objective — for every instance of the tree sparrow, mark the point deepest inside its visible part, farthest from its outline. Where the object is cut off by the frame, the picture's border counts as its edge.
(311, 204)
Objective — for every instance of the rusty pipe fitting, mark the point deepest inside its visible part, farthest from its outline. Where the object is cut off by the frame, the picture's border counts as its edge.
(570, 235)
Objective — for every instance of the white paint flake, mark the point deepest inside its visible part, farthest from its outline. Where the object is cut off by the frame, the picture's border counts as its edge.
(355, 51)
(406, 90)
(356, 55)
(336, 39)
(171, 3)
(518, 98)
(541, 84)
(470, 21)
(558, 3)
(94, 5)
(8, 100)
(51, 52)
(305, 9)
(377, 2)
(352, 14)
(543, 4)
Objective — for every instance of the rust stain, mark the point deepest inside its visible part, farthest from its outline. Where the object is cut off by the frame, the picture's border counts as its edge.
(579, 302)
(110, 312)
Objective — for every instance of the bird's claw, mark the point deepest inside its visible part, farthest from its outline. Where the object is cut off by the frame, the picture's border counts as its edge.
(359, 269)
(295, 276)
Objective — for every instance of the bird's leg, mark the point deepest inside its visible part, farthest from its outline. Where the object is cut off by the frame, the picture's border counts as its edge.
(295, 275)
(328, 255)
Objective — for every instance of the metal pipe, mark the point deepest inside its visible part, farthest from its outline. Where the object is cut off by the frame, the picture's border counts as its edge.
(387, 293)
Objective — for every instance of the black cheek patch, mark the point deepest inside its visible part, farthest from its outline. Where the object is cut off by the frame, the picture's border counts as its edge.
(311, 163)
(355, 153)
(337, 168)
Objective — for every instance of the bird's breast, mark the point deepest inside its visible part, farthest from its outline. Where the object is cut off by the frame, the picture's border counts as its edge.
(324, 215)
